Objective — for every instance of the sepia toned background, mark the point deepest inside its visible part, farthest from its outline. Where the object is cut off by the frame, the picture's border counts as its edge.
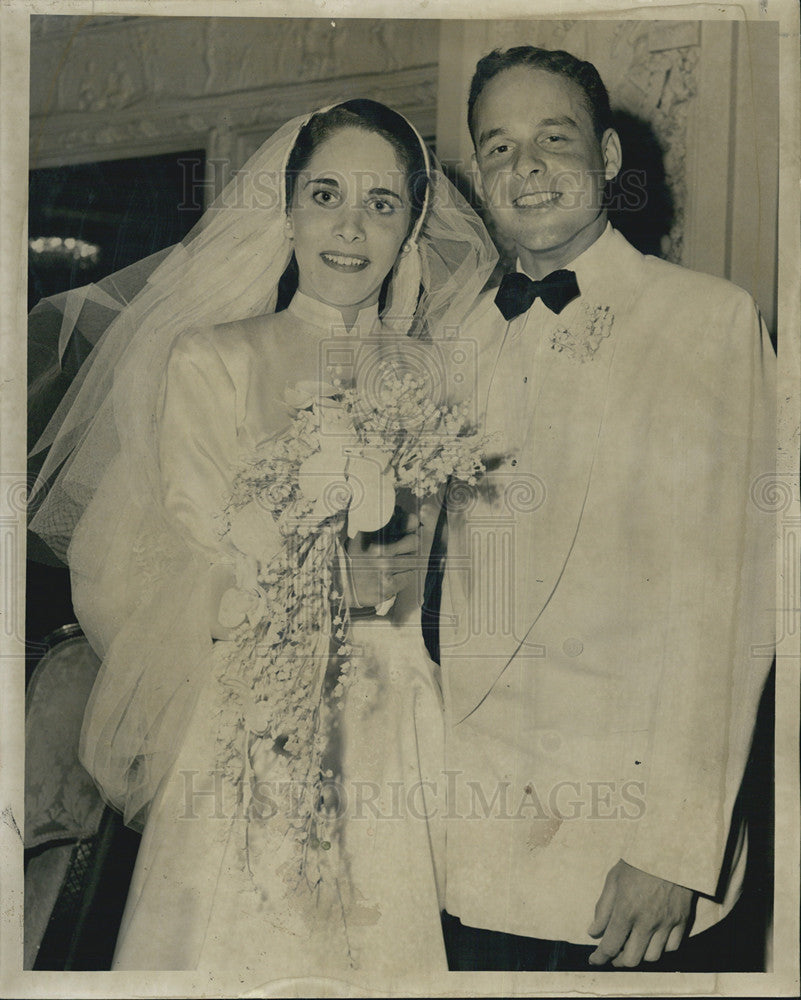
(132, 114)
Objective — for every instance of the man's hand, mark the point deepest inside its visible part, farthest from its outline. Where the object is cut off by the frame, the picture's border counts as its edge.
(639, 916)
(379, 571)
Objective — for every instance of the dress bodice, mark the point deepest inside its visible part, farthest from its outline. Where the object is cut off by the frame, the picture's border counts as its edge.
(223, 395)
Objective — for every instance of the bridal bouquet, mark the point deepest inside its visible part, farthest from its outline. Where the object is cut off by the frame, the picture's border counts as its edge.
(336, 471)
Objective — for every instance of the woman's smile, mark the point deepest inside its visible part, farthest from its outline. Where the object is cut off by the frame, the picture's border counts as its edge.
(344, 262)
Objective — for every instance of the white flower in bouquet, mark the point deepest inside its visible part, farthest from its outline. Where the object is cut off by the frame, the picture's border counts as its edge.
(345, 477)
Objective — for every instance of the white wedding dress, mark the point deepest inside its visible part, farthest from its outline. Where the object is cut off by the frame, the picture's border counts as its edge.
(193, 903)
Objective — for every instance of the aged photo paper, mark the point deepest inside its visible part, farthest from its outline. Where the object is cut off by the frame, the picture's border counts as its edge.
(158, 102)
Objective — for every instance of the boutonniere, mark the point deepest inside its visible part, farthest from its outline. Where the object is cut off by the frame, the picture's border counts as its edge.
(584, 336)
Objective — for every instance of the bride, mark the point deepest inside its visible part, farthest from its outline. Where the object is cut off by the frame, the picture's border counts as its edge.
(338, 229)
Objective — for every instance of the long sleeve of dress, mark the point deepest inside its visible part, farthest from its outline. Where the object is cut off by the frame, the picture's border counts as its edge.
(158, 653)
(197, 445)
(197, 439)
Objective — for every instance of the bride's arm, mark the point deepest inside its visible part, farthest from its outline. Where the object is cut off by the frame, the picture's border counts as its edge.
(197, 444)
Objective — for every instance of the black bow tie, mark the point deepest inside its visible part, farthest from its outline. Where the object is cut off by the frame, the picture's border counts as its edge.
(517, 291)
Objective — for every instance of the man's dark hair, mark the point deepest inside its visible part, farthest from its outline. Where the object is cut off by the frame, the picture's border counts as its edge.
(555, 61)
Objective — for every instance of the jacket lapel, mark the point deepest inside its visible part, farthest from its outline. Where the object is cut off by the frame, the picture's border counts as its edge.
(521, 531)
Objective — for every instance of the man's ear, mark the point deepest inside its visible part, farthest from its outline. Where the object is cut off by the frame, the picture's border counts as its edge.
(477, 181)
(612, 153)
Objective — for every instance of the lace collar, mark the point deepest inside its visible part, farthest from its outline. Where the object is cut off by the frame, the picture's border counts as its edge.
(328, 318)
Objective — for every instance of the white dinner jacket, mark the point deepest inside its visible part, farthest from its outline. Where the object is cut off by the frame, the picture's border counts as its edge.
(605, 624)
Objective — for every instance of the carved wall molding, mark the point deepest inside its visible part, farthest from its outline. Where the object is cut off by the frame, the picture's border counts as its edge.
(225, 125)
(98, 64)
(656, 79)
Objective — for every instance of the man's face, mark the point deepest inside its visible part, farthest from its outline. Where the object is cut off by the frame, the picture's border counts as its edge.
(542, 167)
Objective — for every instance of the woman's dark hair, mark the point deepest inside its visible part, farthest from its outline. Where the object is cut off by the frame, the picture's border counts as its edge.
(555, 61)
(370, 116)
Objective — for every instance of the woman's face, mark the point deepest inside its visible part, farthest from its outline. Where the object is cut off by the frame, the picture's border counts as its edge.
(349, 216)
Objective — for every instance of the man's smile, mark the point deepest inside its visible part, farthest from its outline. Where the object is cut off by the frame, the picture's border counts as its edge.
(537, 199)
(344, 262)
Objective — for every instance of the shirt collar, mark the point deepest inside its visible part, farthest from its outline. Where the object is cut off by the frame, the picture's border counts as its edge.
(326, 317)
(585, 265)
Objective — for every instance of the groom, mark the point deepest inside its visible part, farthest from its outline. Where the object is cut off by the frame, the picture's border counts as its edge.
(603, 633)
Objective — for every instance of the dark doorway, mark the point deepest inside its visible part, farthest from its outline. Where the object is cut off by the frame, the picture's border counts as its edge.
(86, 221)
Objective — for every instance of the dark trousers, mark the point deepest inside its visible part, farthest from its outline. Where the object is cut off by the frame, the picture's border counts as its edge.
(726, 947)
